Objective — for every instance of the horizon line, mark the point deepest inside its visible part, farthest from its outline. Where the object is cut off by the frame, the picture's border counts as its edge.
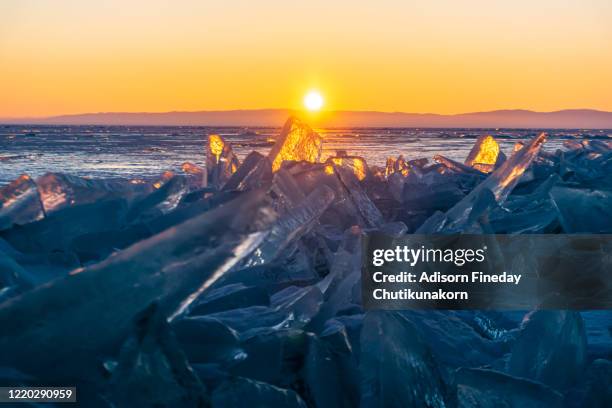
(274, 117)
(322, 111)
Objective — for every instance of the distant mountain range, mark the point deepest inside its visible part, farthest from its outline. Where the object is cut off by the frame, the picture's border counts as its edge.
(571, 118)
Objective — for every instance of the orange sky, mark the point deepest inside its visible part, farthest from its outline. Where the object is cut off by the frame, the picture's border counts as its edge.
(414, 56)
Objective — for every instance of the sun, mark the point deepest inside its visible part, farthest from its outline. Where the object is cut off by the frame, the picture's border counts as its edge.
(313, 101)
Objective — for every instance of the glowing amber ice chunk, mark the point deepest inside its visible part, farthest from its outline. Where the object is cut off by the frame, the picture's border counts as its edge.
(297, 142)
(509, 173)
(390, 167)
(216, 144)
(485, 151)
(359, 168)
(355, 163)
(221, 162)
(401, 166)
(500, 182)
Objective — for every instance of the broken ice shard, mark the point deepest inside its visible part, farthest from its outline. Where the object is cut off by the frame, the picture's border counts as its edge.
(254, 172)
(297, 142)
(339, 286)
(440, 195)
(59, 190)
(367, 209)
(57, 232)
(13, 277)
(583, 210)
(11, 273)
(191, 168)
(20, 203)
(551, 348)
(267, 275)
(598, 146)
(272, 354)
(529, 213)
(393, 354)
(343, 211)
(355, 164)
(198, 175)
(221, 162)
(455, 166)
(398, 165)
(518, 146)
(390, 166)
(285, 191)
(293, 224)
(97, 304)
(227, 297)
(420, 163)
(163, 179)
(484, 154)
(401, 166)
(395, 185)
(494, 189)
(221, 342)
(440, 329)
(292, 307)
(152, 369)
(330, 371)
(164, 198)
(484, 388)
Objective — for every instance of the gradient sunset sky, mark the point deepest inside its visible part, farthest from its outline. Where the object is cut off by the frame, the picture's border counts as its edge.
(60, 57)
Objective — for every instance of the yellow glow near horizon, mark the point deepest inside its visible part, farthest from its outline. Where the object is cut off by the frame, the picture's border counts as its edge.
(313, 101)
(439, 56)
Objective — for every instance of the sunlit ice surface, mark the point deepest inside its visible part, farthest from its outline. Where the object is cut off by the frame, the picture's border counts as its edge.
(487, 153)
(297, 141)
(216, 145)
(356, 164)
(146, 151)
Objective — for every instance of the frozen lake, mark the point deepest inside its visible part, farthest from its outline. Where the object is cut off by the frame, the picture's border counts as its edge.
(117, 151)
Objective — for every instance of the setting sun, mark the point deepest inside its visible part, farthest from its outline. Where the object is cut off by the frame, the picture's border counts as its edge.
(313, 101)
